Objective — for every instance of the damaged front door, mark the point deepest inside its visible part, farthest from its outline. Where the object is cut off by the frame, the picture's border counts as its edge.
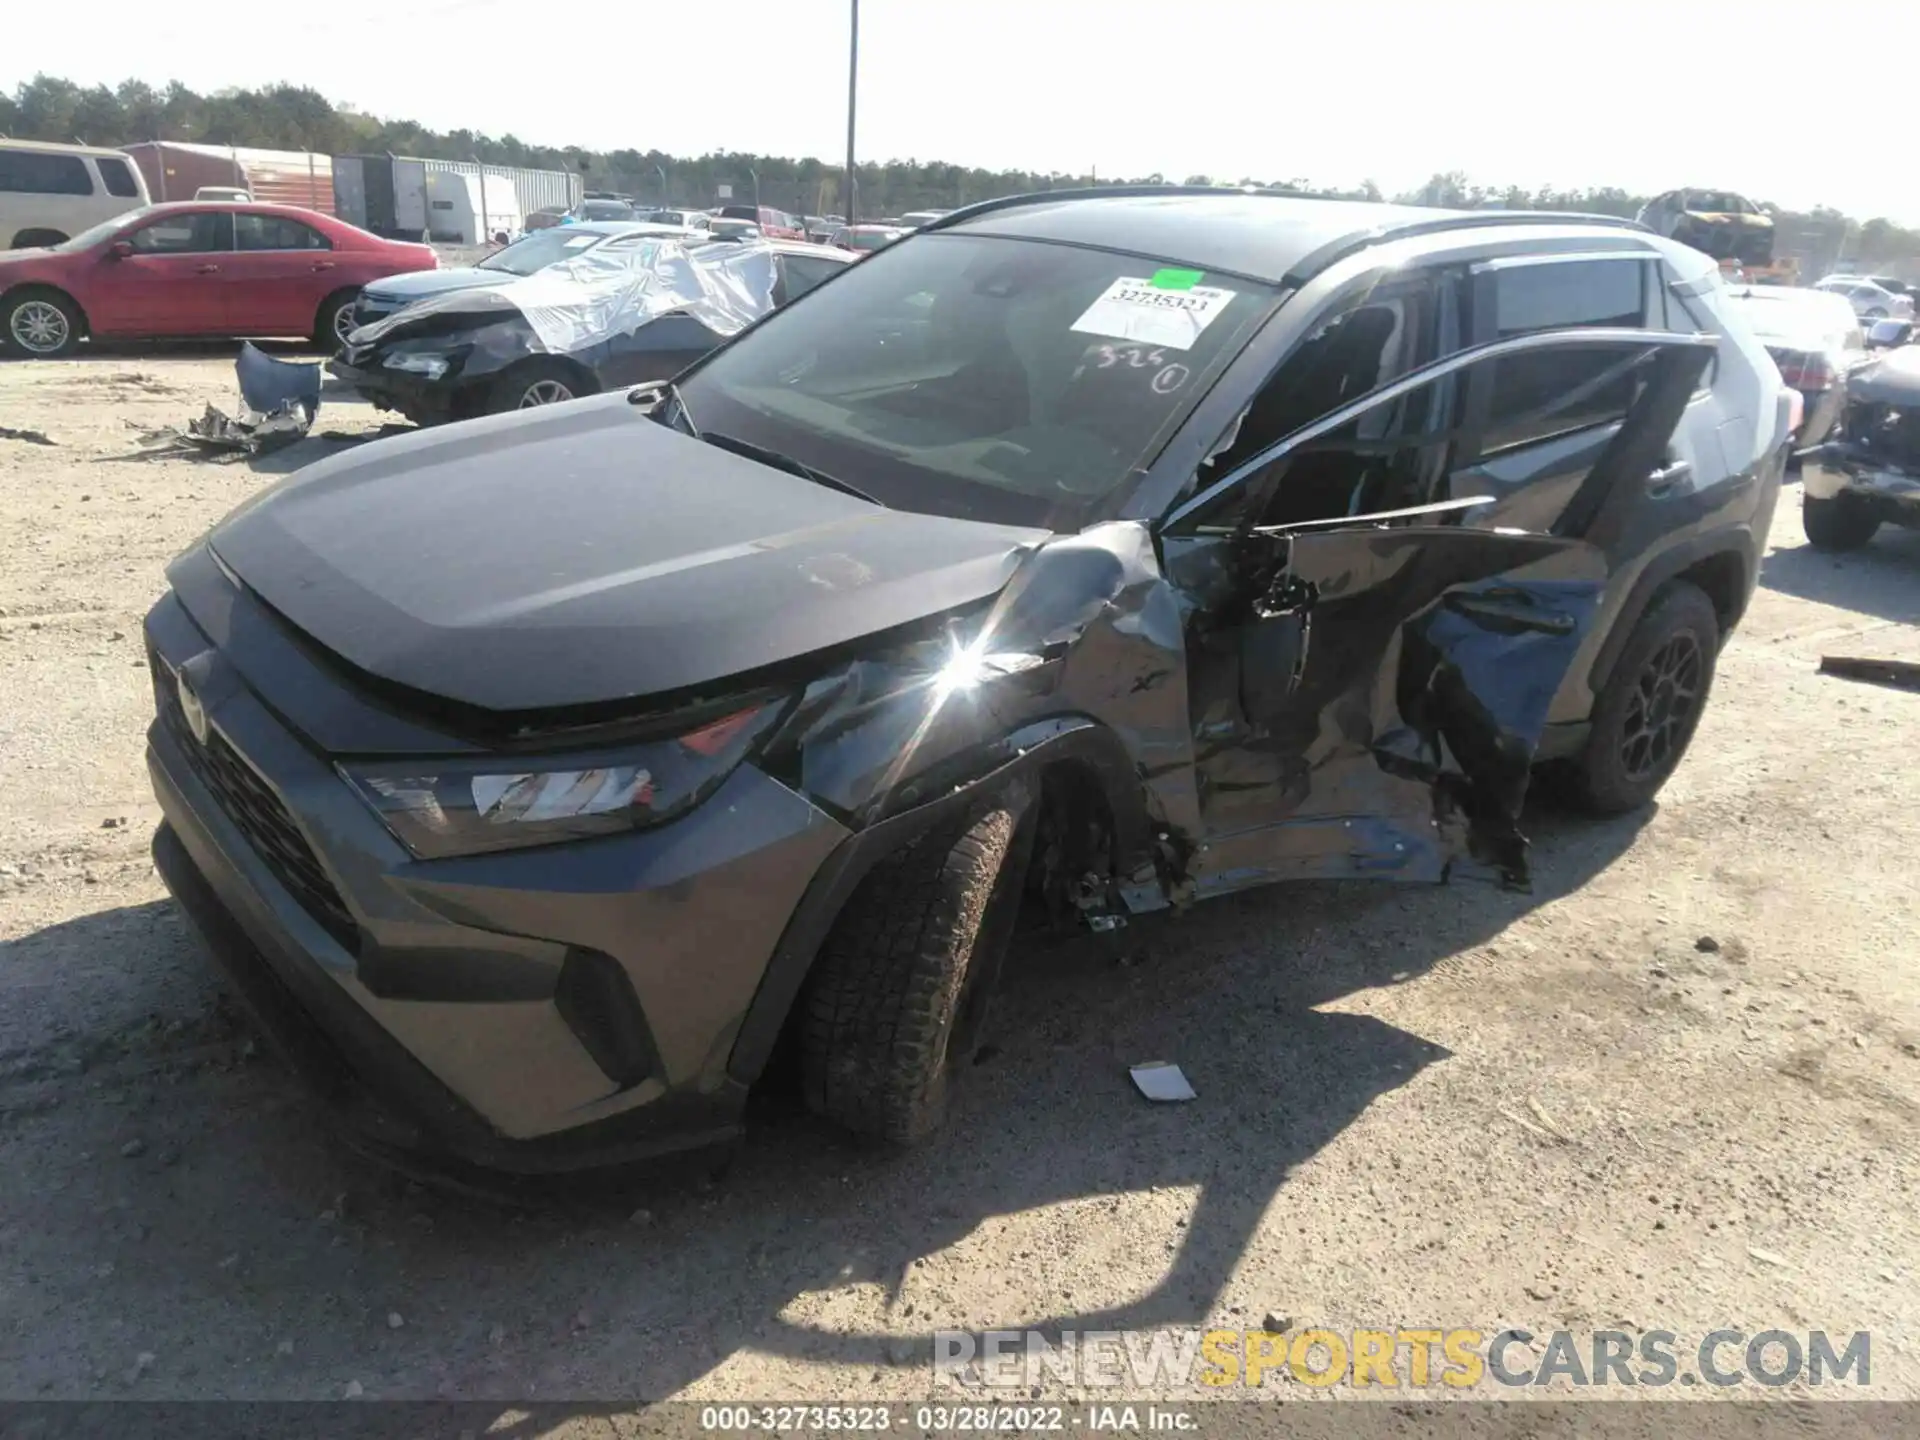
(1369, 686)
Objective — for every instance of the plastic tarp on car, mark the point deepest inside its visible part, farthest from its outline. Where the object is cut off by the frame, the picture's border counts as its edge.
(614, 289)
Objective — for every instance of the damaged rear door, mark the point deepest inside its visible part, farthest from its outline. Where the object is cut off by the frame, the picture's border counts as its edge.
(1369, 683)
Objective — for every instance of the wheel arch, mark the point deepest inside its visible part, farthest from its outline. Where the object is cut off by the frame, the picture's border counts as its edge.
(1719, 565)
(1073, 763)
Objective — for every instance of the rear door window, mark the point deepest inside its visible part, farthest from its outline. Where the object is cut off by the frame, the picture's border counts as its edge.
(41, 172)
(276, 232)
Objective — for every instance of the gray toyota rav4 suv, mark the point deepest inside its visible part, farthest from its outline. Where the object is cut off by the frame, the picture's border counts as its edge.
(538, 778)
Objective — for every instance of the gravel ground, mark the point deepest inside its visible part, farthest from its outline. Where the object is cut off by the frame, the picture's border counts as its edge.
(1675, 1088)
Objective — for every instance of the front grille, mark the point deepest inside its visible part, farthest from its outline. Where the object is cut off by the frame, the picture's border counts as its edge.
(257, 812)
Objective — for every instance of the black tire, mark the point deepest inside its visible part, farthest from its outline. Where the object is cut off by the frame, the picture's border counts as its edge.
(1645, 715)
(900, 990)
(519, 388)
(40, 324)
(326, 324)
(1836, 524)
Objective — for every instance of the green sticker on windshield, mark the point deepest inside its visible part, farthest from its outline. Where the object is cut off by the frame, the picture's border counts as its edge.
(1177, 279)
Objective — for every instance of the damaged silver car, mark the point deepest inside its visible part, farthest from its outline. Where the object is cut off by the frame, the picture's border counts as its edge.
(536, 780)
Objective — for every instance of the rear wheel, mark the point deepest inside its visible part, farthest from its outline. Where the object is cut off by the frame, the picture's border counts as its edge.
(1645, 715)
(900, 991)
(538, 382)
(40, 324)
(1836, 523)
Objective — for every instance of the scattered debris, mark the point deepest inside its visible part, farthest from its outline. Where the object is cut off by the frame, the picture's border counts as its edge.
(394, 1320)
(1162, 1082)
(1767, 1256)
(1707, 945)
(1526, 1124)
(1900, 674)
(1275, 1323)
(1535, 1109)
(280, 400)
(133, 1149)
(31, 437)
(113, 822)
(640, 1217)
(354, 1390)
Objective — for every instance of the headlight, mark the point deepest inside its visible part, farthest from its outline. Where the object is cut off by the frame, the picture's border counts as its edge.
(470, 807)
(431, 366)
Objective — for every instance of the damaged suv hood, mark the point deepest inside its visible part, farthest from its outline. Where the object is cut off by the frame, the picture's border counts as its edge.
(579, 554)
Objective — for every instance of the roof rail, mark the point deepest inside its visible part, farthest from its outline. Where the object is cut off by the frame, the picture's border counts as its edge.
(1315, 261)
(1312, 263)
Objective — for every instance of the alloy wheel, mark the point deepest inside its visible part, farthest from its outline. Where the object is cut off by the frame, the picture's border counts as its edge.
(343, 323)
(1665, 703)
(39, 327)
(544, 392)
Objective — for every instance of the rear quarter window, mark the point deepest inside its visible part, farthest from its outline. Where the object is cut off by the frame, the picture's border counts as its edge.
(117, 176)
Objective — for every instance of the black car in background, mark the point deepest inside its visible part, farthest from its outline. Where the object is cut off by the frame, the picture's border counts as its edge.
(638, 307)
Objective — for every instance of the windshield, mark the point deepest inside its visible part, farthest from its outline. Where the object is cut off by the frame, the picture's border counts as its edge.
(539, 250)
(1006, 380)
(605, 210)
(868, 239)
(92, 236)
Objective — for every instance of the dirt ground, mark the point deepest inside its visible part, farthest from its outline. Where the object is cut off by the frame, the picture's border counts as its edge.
(1448, 1106)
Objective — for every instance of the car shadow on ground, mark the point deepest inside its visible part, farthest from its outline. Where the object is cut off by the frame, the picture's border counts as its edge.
(574, 1296)
(1878, 580)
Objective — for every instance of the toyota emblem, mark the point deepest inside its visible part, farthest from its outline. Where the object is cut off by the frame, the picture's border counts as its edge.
(191, 708)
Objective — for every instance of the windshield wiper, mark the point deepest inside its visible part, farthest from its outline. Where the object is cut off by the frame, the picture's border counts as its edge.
(787, 463)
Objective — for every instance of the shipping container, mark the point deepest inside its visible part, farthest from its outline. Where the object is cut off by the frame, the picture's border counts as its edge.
(175, 169)
(456, 202)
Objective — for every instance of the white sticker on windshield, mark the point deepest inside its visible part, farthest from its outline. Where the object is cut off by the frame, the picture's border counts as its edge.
(1133, 308)
(575, 242)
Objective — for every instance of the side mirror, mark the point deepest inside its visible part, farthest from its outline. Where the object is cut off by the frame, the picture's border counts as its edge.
(120, 250)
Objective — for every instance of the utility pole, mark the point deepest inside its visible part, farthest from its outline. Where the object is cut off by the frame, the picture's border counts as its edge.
(853, 90)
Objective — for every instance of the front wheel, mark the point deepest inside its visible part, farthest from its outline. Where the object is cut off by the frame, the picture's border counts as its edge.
(899, 993)
(1645, 715)
(1836, 523)
(40, 324)
(535, 383)
(335, 321)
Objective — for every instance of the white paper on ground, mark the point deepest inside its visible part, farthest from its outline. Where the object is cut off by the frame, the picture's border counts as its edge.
(1161, 1080)
(1134, 309)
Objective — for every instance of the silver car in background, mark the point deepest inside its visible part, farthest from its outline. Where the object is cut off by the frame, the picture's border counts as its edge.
(1869, 299)
(1815, 338)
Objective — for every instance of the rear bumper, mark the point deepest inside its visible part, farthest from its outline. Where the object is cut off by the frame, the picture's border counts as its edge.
(1891, 492)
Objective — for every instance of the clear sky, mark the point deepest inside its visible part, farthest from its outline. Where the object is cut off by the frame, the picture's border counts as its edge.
(1645, 94)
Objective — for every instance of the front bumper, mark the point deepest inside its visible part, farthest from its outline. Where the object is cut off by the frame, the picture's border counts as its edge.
(1889, 491)
(421, 400)
(538, 1011)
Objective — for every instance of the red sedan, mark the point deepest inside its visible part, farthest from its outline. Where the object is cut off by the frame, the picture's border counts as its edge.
(196, 269)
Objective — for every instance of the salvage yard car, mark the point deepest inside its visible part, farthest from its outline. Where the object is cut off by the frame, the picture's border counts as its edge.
(50, 193)
(195, 269)
(1816, 341)
(526, 256)
(538, 778)
(1718, 222)
(638, 307)
(1868, 474)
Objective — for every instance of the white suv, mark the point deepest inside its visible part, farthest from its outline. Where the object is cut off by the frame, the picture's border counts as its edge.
(1869, 300)
(50, 193)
